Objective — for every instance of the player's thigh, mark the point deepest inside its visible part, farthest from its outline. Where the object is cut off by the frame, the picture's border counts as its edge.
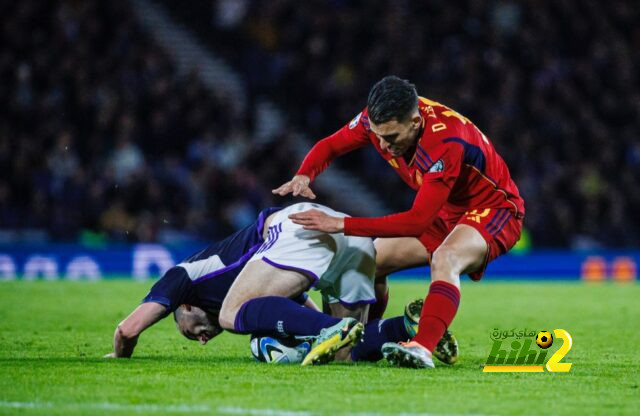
(464, 250)
(399, 253)
(359, 312)
(258, 279)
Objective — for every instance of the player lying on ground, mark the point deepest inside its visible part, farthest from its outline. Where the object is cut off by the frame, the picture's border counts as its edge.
(467, 210)
(246, 283)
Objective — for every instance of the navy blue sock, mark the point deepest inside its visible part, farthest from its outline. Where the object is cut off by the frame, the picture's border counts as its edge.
(272, 315)
(376, 333)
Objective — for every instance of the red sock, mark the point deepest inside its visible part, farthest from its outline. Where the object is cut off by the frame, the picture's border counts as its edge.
(440, 307)
(377, 309)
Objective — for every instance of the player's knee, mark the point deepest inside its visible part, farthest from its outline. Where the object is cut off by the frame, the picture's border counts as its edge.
(388, 260)
(227, 316)
(383, 263)
(227, 321)
(445, 265)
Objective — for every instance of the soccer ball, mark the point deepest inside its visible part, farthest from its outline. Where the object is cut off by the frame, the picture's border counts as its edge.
(277, 350)
(544, 339)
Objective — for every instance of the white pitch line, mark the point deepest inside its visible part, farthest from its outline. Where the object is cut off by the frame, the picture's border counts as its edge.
(261, 412)
(186, 408)
(148, 408)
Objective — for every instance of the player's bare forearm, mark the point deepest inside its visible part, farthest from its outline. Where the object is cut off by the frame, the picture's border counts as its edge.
(123, 346)
(126, 336)
(314, 219)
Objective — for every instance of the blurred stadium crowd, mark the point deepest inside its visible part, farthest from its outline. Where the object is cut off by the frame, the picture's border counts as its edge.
(99, 133)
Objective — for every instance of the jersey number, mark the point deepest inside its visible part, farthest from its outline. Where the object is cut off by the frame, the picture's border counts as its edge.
(450, 113)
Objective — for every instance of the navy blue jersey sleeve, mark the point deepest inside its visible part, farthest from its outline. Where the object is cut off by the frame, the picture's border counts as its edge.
(171, 290)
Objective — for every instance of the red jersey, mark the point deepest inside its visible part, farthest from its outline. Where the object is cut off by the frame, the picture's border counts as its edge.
(455, 169)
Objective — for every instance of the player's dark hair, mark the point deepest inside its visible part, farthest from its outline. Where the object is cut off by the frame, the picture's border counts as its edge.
(392, 98)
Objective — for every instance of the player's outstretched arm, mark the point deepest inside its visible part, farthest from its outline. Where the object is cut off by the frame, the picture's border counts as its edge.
(430, 198)
(299, 185)
(128, 331)
(348, 138)
(317, 220)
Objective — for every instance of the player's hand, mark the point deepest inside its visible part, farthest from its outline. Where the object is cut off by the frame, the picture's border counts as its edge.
(299, 185)
(319, 221)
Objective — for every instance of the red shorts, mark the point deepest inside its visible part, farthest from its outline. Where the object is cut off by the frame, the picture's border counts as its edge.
(498, 226)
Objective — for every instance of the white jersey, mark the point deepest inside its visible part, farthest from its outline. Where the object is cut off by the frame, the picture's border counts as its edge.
(342, 267)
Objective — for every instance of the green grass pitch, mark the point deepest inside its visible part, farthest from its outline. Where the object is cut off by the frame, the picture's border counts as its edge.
(53, 336)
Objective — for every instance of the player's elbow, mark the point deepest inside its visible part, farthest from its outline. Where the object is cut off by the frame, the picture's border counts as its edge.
(418, 222)
(415, 228)
(127, 332)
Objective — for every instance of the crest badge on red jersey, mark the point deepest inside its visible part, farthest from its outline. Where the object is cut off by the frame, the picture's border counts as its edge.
(355, 120)
(437, 167)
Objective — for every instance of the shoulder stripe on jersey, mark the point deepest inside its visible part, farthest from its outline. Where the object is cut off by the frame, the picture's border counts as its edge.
(472, 154)
(421, 164)
(198, 268)
(232, 266)
(423, 152)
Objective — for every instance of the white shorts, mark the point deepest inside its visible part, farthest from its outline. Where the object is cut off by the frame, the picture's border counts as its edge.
(342, 267)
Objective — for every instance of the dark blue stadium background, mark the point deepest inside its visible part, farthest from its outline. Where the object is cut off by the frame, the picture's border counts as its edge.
(101, 139)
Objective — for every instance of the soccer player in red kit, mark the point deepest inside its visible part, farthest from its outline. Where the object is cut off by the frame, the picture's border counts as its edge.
(467, 210)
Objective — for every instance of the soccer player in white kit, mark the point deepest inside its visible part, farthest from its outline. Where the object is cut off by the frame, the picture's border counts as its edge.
(247, 284)
(293, 260)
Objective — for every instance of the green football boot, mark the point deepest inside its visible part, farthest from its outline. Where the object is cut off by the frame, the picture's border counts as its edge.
(447, 349)
(347, 332)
